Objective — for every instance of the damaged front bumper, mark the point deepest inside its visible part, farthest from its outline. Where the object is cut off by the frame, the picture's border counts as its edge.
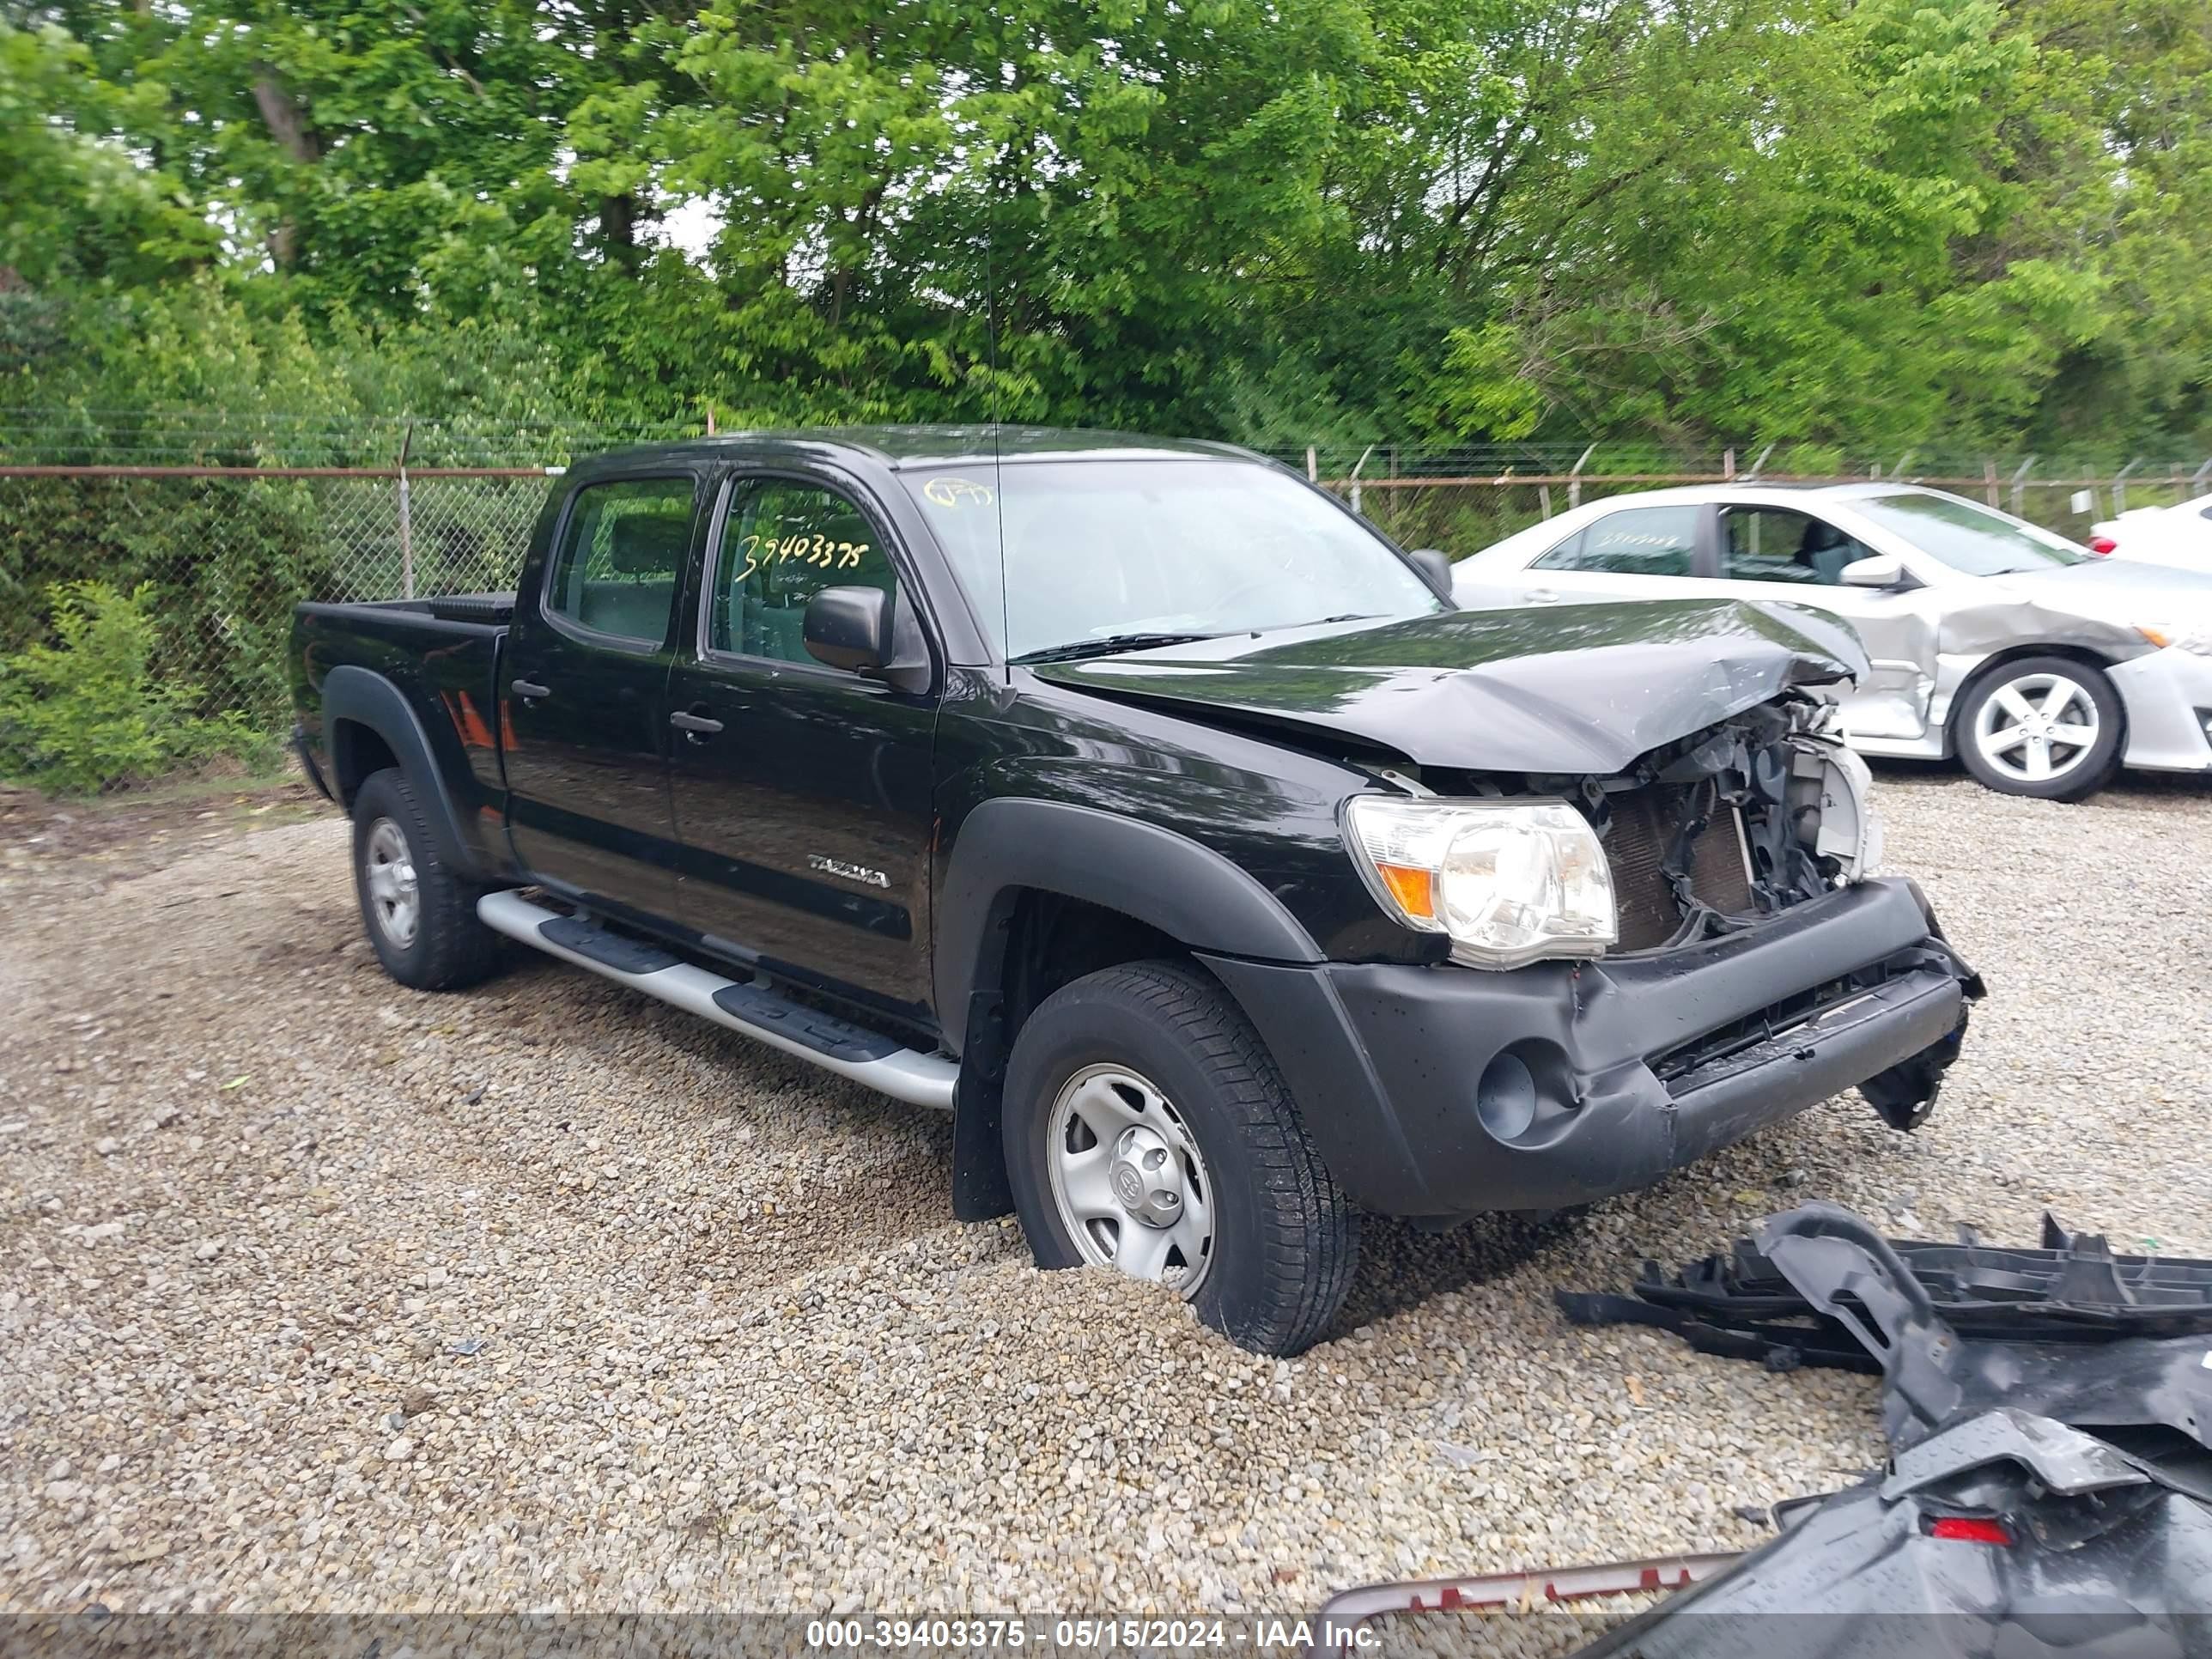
(1441, 1093)
(2168, 697)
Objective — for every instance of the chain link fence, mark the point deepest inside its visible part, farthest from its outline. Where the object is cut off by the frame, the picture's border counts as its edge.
(225, 557)
(224, 550)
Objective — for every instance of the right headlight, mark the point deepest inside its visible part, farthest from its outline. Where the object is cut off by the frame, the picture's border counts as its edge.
(1508, 881)
(1849, 830)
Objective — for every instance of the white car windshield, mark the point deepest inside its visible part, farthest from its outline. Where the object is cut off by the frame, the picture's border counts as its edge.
(1970, 539)
(1115, 551)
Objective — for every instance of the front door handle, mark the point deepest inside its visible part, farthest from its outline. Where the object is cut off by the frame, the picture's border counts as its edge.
(1542, 596)
(694, 726)
(528, 688)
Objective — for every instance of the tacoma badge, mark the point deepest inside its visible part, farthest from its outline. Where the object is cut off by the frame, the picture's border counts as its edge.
(859, 872)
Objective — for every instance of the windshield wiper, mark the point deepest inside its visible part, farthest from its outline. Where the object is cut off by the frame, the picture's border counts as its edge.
(1109, 646)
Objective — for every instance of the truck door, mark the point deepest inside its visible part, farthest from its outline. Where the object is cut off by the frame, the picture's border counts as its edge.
(586, 669)
(802, 791)
(1778, 554)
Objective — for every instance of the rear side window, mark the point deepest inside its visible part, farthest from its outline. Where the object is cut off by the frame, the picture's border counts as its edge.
(620, 557)
(785, 542)
(1637, 541)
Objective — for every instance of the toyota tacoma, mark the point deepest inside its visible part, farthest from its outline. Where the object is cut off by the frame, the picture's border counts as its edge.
(1148, 810)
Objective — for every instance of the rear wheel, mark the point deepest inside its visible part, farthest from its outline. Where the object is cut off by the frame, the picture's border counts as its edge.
(1148, 1130)
(420, 913)
(2047, 727)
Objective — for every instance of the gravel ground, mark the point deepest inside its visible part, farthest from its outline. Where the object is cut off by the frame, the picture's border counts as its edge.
(318, 1294)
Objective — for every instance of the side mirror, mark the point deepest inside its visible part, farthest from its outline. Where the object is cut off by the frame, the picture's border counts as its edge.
(1435, 568)
(849, 628)
(1882, 570)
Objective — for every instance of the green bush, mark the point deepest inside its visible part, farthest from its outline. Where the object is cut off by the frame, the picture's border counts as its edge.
(88, 714)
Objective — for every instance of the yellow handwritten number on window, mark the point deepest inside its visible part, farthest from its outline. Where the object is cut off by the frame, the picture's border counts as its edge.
(761, 552)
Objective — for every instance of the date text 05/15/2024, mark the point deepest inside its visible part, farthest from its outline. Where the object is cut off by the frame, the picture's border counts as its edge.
(1097, 1635)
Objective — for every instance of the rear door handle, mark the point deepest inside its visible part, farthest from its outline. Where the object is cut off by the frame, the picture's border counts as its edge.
(698, 724)
(529, 689)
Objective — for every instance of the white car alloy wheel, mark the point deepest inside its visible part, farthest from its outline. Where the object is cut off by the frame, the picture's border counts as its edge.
(1128, 1179)
(2037, 728)
(395, 896)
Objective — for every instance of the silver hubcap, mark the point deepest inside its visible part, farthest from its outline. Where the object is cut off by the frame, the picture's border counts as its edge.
(395, 898)
(1126, 1176)
(2036, 728)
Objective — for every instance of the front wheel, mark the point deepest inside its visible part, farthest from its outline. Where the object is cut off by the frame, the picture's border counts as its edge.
(1147, 1130)
(2047, 727)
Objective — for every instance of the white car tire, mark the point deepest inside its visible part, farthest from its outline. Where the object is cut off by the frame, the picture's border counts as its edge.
(2047, 727)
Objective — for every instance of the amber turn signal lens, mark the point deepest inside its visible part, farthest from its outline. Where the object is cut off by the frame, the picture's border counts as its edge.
(1415, 890)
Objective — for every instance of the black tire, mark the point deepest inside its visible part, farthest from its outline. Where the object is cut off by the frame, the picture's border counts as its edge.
(1285, 1238)
(447, 947)
(2084, 771)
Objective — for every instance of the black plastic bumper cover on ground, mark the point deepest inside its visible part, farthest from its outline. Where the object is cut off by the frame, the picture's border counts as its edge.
(2050, 1415)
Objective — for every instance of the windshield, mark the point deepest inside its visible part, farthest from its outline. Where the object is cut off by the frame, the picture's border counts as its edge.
(1969, 537)
(1095, 549)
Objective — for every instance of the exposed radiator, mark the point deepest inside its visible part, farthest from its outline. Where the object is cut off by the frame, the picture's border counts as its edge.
(1644, 824)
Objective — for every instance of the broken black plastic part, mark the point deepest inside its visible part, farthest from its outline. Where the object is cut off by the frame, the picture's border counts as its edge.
(2101, 1558)
(2073, 1287)
(2070, 1331)
(2050, 1413)
(2050, 1410)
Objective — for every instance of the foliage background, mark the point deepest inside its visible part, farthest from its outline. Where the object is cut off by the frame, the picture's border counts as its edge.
(243, 232)
(1922, 222)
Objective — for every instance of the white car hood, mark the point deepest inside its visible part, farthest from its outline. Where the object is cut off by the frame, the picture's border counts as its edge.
(2125, 593)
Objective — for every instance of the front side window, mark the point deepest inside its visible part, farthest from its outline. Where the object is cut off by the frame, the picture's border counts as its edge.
(1970, 539)
(1058, 553)
(1773, 544)
(1637, 541)
(620, 557)
(784, 542)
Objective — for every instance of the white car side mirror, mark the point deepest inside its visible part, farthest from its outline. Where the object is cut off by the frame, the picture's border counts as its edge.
(1882, 570)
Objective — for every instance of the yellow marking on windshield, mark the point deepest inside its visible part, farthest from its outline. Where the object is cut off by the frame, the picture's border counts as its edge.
(957, 492)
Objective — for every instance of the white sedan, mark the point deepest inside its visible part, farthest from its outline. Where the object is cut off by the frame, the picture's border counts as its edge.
(2180, 536)
(2042, 667)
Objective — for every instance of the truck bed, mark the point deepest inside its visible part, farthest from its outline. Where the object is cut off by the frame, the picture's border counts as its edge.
(439, 655)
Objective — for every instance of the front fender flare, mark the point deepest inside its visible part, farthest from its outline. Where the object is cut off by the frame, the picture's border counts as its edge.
(1186, 890)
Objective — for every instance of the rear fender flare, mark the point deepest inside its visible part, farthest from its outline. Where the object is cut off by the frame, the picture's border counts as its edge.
(1190, 892)
(367, 698)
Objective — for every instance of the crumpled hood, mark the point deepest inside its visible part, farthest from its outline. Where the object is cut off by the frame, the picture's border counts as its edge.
(2125, 593)
(1558, 687)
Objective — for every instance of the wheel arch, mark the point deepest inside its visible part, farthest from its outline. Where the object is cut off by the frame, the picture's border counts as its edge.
(1008, 850)
(2071, 650)
(1026, 876)
(369, 725)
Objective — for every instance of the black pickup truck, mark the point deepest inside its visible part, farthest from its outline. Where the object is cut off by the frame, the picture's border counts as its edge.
(1147, 810)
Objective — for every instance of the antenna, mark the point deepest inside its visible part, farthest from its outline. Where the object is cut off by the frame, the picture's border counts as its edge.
(998, 469)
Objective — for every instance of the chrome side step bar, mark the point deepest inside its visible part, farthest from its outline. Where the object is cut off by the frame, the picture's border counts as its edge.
(756, 1010)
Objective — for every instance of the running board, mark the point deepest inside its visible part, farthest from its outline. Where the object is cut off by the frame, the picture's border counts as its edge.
(754, 1010)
